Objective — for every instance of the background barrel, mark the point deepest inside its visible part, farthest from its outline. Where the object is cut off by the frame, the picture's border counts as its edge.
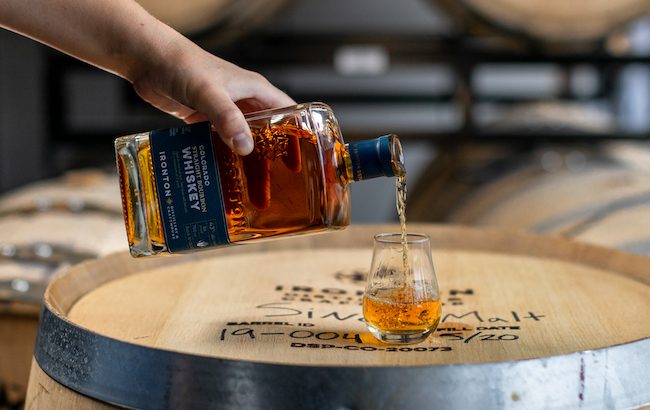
(223, 21)
(596, 196)
(46, 226)
(279, 325)
(555, 22)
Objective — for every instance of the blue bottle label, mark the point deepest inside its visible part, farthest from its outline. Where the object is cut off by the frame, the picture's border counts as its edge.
(189, 189)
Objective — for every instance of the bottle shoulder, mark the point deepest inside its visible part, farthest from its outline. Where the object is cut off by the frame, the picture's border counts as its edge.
(131, 140)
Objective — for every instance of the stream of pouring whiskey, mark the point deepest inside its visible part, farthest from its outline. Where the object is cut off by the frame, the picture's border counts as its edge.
(400, 200)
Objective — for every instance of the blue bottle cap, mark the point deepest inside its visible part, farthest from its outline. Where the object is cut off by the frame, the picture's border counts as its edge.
(374, 158)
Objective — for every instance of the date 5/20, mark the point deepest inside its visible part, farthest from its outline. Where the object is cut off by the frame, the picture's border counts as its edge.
(479, 337)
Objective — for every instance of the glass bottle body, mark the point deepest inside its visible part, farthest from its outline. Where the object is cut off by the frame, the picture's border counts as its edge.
(295, 181)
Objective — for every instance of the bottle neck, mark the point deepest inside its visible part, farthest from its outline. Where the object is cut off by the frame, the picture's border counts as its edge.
(374, 158)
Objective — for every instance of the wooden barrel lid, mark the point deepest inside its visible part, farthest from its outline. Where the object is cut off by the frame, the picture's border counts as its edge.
(284, 318)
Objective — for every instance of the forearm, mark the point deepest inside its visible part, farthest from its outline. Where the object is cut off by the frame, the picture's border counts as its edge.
(115, 35)
(166, 69)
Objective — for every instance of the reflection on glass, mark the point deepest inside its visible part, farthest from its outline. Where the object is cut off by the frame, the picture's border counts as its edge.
(401, 303)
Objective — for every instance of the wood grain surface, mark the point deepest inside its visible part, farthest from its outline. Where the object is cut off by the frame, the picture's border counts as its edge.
(505, 297)
(78, 212)
(46, 393)
(557, 20)
(18, 327)
(606, 202)
(227, 18)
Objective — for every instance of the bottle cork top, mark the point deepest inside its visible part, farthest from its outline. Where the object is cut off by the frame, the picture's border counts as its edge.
(377, 157)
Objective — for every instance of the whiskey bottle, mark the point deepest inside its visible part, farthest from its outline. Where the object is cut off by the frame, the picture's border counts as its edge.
(183, 189)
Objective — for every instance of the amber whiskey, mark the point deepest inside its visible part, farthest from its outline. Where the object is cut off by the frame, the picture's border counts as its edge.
(401, 303)
(396, 312)
(183, 189)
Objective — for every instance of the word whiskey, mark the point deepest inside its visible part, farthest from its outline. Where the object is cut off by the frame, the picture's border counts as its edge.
(183, 189)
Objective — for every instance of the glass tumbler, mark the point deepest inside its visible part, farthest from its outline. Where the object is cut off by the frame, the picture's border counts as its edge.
(401, 303)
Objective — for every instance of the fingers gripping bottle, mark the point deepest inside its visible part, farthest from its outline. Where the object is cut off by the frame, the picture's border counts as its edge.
(183, 189)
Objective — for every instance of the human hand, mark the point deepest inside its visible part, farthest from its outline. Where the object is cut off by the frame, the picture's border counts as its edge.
(195, 85)
(166, 69)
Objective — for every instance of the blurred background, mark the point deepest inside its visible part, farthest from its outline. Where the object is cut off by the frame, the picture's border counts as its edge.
(490, 98)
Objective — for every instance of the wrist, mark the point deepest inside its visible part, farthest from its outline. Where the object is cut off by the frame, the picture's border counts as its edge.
(153, 45)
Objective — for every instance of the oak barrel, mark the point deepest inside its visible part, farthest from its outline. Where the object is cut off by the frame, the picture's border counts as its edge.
(45, 226)
(601, 198)
(223, 20)
(528, 322)
(553, 22)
